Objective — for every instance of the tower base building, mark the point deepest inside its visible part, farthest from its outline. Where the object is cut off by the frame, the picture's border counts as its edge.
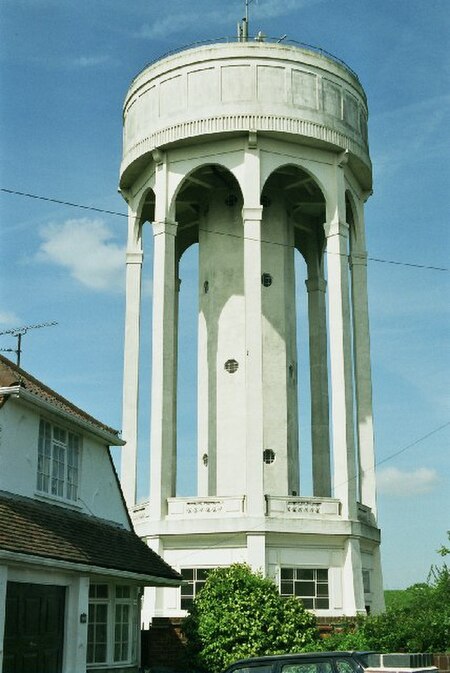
(254, 151)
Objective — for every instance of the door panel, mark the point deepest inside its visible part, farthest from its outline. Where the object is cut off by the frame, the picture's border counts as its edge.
(34, 628)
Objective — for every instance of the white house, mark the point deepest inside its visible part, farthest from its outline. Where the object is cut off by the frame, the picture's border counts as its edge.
(72, 570)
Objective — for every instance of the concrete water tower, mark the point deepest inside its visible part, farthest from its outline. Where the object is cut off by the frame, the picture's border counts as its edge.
(254, 150)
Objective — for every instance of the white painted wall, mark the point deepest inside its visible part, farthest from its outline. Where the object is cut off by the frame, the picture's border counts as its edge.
(99, 494)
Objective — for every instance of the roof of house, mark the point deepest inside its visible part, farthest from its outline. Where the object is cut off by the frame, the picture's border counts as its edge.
(12, 375)
(39, 529)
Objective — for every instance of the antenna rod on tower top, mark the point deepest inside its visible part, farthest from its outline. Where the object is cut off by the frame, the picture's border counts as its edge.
(243, 25)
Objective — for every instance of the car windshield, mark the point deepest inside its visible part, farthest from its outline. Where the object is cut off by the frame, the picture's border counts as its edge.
(308, 667)
(347, 666)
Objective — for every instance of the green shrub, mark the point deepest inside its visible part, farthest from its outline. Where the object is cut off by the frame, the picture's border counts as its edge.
(238, 613)
(417, 620)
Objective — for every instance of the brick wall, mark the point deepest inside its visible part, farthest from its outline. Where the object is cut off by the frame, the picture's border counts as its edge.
(163, 644)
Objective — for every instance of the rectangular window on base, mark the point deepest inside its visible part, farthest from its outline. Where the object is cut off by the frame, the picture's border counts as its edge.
(194, 581)
(310, 585)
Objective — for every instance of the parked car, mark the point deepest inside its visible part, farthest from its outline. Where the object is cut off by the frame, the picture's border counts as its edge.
(306, 662)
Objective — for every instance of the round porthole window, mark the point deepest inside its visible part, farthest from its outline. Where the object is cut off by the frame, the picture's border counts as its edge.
(231, 366)
(266, 279)
(268, 456)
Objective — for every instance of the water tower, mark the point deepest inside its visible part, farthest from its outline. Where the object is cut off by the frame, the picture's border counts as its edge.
(254, 150)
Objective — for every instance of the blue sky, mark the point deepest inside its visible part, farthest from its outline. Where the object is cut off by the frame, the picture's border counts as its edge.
(65, 67)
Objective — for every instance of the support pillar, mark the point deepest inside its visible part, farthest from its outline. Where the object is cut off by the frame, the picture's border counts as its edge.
(318, 367)
(336, 231)
(134, 259)
(163, 426)
(378, 604)
(353, 589)
(254, 376)
(256, 552)
(252, 220)
(363, 380)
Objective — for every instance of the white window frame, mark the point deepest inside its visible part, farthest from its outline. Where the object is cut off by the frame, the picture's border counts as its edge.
(196, 583)
(317, 579)
(58, 464)
(114, 604)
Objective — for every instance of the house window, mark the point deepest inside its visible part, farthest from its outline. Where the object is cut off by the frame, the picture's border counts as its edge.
(58, 461)
(308, 584)
(112, 624)
(194, 581)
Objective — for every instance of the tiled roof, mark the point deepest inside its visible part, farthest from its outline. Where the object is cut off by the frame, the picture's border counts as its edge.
(11, 374)
(49, 531)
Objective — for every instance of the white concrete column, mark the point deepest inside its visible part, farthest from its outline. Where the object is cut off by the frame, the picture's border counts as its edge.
(75, 646)
(153, 598)
(252, 218)
(3, 586)
(254, 379)
(336, 231)
(378, 604)
(256, 552)
(164, 346)
(353, 589)
(363, 380)
(318, 367)
(134, 258)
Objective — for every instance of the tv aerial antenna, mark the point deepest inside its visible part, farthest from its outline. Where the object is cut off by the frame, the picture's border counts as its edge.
(18, 333)
(242, 27)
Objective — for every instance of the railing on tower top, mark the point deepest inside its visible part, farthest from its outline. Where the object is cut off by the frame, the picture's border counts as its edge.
(262, 39)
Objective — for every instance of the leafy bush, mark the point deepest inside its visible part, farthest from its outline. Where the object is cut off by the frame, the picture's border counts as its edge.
(416, 621)
(238, 613)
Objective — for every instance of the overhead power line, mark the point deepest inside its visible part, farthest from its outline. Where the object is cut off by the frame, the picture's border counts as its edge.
(414, 443)
(61, 202)
(219, 233)
(384, 460)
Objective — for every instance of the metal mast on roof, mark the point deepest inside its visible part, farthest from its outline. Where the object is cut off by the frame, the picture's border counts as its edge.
(242, 27)
(18, 332)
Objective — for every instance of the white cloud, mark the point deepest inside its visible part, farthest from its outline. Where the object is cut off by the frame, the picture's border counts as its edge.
(9, 319)
(86, 248)
(176, 20)
(409, 133)
(88, 61)
(404, 484)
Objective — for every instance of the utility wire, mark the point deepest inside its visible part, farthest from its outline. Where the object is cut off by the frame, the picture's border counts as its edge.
(380, 462)
(62, 203)
(414, 443)
(218, 233)
(373, 259)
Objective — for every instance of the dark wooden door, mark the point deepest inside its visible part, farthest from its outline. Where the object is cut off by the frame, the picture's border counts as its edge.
(34, 628)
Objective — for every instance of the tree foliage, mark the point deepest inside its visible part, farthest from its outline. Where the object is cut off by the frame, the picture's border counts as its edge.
(416, 621)
(238, 613)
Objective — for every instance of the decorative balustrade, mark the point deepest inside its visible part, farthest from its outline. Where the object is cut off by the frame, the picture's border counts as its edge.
(141, 510)
(365, 514)
(302, 507)
(198, 507)
(290, 507)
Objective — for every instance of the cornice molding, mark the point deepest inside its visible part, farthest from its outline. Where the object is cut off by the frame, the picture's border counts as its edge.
(244, 123)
